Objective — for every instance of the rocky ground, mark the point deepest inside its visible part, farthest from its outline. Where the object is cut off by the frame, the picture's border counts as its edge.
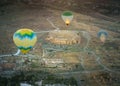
(90, 16)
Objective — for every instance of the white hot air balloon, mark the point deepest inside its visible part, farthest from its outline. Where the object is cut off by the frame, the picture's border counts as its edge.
(67, 17)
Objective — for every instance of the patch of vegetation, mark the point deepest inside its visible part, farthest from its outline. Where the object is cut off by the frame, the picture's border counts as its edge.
(52, 80)
(28, 77)
(31, 77)
(111, 45)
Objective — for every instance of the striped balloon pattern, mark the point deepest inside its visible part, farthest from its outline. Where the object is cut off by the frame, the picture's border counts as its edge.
(25, 39)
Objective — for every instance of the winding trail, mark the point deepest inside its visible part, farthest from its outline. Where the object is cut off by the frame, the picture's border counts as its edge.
(15, 54)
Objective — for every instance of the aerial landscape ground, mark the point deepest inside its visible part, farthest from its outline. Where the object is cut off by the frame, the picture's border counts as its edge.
(64, 55)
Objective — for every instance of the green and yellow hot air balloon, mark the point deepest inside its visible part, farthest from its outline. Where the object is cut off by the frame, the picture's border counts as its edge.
(25, 39)
(67, 17)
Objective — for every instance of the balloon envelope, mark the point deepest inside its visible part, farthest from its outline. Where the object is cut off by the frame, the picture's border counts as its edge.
(67, 17)
(24, 39)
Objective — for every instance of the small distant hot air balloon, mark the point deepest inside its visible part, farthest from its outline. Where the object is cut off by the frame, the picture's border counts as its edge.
(67, 16)
(24, 39)
(102, 34)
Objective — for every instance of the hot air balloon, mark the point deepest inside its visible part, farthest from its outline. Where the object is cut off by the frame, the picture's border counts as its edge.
(103, 38)
(102, 34)
(25, 39)
(67, 16)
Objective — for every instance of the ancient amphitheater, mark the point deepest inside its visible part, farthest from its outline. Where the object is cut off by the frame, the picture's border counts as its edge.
(63, 37)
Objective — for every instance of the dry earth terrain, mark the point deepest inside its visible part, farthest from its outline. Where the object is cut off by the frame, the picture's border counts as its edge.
(90, 16)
